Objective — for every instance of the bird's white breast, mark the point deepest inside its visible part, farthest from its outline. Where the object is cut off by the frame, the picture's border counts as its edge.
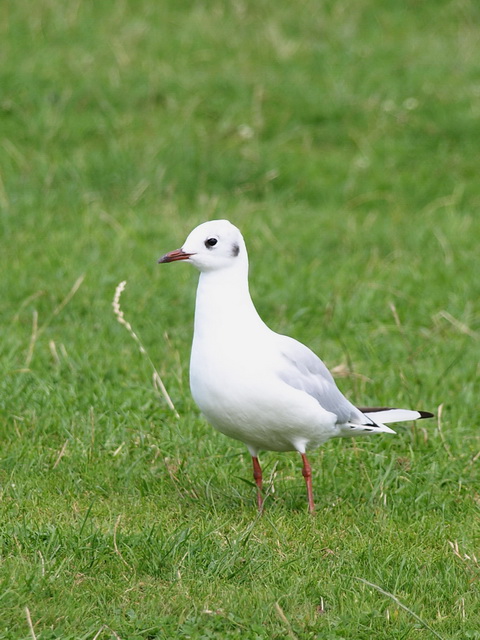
(234, 382)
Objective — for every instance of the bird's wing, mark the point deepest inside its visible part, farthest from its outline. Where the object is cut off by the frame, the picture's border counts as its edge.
(302, 369)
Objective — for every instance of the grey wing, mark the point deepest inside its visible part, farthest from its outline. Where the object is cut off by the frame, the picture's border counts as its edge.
(303, 370)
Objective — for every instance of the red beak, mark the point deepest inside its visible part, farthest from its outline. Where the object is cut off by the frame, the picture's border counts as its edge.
(173, 256)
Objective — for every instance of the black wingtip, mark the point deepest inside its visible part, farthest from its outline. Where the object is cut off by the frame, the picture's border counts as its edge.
(425, 414)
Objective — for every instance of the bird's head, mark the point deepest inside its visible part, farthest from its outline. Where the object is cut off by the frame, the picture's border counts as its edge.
(211, 246)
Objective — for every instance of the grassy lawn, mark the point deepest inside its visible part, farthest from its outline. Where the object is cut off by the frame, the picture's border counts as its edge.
(343, 139)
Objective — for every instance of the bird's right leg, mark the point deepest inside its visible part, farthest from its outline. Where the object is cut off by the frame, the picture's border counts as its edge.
(257, 474)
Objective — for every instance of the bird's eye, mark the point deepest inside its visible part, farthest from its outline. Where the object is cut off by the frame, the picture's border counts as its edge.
(210, 242)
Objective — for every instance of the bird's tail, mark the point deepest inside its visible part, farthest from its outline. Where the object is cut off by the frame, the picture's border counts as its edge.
(376, 417)
(385, 414)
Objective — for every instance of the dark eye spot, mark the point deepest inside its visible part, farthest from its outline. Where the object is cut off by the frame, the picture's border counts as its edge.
(235, 250)
(210, 242)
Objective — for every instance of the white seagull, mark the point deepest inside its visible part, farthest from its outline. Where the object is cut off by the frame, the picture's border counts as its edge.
(252, 384)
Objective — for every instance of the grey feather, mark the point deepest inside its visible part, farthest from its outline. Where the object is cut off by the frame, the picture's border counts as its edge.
(303, 370)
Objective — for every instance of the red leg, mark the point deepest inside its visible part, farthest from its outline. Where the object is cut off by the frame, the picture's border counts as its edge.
(257, 474)
(307, 474)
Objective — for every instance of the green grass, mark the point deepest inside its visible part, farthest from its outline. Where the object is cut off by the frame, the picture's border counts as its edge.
(343, 139)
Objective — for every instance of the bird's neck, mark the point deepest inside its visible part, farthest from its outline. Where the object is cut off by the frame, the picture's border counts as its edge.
(224, 306)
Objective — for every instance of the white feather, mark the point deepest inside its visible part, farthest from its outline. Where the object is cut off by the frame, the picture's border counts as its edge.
(393, 415)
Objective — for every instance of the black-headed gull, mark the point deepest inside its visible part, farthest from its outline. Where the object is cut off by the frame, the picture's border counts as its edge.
(252, 384)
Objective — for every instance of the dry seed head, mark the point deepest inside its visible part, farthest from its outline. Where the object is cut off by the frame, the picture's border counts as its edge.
(157, 381)
(117, 310)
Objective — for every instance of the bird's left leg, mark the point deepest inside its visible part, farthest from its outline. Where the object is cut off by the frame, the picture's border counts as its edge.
(257, 474)
(307, 474)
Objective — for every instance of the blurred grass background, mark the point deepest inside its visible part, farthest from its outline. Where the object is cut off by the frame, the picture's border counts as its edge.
(343, 140)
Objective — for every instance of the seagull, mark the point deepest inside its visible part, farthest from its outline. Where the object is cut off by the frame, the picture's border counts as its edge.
(265, 389)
